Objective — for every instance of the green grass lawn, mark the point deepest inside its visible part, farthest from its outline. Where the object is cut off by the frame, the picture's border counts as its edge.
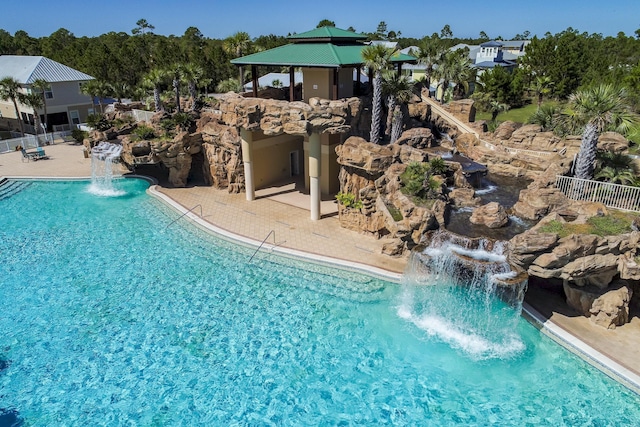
(519, 115)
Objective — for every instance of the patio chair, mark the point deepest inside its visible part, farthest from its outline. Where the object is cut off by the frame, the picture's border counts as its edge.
(41, 154)
(28, 156)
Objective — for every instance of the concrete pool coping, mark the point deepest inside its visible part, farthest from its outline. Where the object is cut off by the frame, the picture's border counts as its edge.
(571, 342)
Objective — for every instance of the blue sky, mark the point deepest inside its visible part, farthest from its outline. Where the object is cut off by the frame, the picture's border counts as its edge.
(414, 18)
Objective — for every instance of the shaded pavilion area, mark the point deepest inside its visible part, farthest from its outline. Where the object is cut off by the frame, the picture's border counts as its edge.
(327, 57)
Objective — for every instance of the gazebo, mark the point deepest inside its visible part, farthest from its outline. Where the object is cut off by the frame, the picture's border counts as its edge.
(327, 57)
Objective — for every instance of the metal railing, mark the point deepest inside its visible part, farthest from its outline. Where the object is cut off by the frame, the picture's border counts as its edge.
(176, 220)
(615, 196)
(142, 115)
(265, 239)
(31, 141)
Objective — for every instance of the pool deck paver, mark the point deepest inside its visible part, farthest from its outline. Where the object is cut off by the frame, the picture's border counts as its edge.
(294, 230)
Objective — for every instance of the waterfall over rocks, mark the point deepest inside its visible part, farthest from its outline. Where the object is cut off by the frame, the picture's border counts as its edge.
(463, 292)
(103, 157)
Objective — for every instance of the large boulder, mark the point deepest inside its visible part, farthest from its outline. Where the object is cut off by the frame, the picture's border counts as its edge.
(534, 204)
(357, 153)
(505, 130)
(491, 215)
(612, 141)
(417, 138)
(612, 308)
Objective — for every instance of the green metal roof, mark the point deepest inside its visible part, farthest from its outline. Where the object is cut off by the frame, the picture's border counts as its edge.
(327, 34)
(324, 55)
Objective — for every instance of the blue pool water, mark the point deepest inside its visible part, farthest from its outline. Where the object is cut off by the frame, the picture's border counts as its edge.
(108, 318)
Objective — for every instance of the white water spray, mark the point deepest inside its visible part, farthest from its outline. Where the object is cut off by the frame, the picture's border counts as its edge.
(467, 297)
(103, 157)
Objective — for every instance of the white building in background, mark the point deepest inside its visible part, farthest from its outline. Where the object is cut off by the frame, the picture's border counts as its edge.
(66, 104)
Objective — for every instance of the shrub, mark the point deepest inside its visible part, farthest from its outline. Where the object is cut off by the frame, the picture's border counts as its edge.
(79, 135)
(183, 120)
(348, 200)
(144, 132)
(413, 178)
(438, 166)
(98, 122)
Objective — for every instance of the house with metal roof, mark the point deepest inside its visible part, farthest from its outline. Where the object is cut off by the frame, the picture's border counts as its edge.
(66, 104)
(327, 57)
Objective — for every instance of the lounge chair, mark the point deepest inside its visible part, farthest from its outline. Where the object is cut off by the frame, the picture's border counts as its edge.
(33, 155)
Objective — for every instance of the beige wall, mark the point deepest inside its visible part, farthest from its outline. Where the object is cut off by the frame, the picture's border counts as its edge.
(316, 83)
(271, 158)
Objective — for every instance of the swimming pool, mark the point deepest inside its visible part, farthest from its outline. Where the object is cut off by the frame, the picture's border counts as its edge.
(110, 318)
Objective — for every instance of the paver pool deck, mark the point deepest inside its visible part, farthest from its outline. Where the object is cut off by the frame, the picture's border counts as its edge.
(232, 214)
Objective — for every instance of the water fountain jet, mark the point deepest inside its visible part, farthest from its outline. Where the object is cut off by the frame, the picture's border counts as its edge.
(103, 157)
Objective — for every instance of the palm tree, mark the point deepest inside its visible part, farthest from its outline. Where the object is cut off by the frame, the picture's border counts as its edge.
(228, 85)
(594, 110)
(34, 100)
(193, 74)
(546, 116)
(399, 92)
(176, 72)
(154, 79)
(462, 74)
(120, 90)
(446, 72)
(42, 86)
(10, 90)
(96, 89)
(377, 58)
(541, 86)
(495, 108)
(430, 54)
(238, 44)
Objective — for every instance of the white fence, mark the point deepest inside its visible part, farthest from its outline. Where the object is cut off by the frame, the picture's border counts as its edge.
(30, 141)
(611, 195)
(142, 115)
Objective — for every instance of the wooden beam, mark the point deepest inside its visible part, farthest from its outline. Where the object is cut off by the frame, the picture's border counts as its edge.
(399, 69)
(335, 84)
(358, 76)
(292, 84)
(254, 77)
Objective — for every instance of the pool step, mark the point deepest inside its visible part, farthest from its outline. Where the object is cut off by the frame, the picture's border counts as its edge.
(11, 188)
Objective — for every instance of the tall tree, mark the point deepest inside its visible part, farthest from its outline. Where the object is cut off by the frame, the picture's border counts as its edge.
(377, 58)
(10, 90)
(142, 27)
(238, 44)
(154, 80)
(34, 100)
(430, 53)
(541, 86)
(176, 72)
(41, 86)
(594, 110)
(325, 23)
(192, 74)
(97, 90)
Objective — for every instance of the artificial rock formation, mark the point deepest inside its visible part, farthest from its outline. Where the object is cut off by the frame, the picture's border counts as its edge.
(491, 215)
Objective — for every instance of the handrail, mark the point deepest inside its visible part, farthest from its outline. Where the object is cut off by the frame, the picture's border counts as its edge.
(265, 239)
(175, 220)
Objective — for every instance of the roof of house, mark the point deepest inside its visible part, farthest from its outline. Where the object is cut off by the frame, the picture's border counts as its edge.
(325, 55)
(493, 64)
(327, 34)
(492, 43)
(27, 69)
